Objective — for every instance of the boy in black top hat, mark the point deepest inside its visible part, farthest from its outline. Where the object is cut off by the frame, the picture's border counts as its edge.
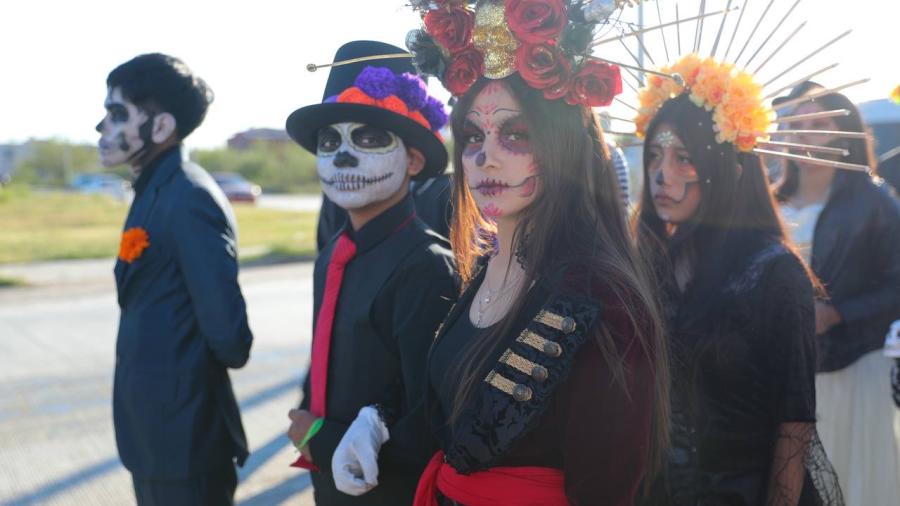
(384, 282)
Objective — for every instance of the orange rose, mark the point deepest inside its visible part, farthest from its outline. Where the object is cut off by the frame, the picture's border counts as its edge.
(134, 241)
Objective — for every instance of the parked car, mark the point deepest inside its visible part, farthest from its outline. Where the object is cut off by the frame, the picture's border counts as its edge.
(236, 188)
(104, 184)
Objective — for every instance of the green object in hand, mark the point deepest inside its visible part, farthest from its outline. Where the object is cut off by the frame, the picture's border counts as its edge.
(313, 430)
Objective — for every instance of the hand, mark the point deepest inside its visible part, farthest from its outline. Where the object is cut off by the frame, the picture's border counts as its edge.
(301, 421)
(826, 317)
(354, 464)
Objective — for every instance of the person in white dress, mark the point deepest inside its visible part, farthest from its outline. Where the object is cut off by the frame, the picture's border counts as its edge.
(846, 225)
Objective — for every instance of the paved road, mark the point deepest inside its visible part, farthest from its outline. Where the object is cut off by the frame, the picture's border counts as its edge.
(56, 361)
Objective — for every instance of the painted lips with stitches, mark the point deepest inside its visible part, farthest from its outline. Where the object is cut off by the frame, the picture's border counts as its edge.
(492, 187)
(352, 182)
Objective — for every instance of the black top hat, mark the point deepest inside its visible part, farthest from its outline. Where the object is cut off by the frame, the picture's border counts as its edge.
(798, 91)
(363, 92)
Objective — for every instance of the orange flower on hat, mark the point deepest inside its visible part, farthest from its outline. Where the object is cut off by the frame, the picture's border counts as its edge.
(134, 241)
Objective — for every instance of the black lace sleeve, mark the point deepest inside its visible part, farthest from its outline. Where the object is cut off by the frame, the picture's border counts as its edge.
(790, 318)
(801, 472)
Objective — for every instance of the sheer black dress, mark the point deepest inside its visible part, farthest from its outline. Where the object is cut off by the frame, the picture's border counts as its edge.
(742, 365)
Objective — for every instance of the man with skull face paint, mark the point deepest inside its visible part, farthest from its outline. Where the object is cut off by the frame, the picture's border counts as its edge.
(383, 284)
(184, 320)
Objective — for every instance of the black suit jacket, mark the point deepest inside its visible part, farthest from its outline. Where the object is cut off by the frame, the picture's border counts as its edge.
(856, 255)
(183, 323)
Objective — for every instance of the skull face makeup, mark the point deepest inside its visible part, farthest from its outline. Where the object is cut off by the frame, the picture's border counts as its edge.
(125, 131)
(360, 164)
(497, 158)
(673, 177)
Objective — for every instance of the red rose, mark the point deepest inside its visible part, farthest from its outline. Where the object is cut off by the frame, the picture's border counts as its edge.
(465, 68)
(595, 85)
(543, 66)
(451, 27)
(536, 21)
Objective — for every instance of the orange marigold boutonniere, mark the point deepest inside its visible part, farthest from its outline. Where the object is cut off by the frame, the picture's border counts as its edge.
(134, 241)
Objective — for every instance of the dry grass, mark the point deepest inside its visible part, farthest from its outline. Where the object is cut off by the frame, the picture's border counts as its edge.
(37, 226)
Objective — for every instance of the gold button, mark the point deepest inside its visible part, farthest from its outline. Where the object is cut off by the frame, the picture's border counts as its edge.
(568, 325)
(521, 393)
(552, 349)
(539, 373)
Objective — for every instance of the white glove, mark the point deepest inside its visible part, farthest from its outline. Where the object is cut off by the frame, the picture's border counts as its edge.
(354, 464)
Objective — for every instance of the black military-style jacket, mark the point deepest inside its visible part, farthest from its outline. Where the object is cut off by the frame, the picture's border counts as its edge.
(547, 395)
(516, 390)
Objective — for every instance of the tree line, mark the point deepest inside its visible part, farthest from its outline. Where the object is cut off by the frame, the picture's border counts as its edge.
(276, 167)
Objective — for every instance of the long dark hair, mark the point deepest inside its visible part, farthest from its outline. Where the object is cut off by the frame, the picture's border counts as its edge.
(861, 151)
(736, 216)
(576, 220)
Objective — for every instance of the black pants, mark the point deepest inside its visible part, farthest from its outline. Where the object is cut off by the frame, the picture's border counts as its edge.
(212, 489)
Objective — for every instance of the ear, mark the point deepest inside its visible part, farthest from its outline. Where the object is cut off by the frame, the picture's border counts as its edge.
(164, 127)
(415, 162)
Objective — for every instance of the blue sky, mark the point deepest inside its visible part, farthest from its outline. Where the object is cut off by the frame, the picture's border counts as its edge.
(56, 54)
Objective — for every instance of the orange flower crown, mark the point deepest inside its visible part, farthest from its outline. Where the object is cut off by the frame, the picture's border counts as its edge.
(739, 114)
(134, 241)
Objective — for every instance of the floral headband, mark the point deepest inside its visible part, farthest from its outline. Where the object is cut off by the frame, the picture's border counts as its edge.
(739, 115)
(548, 42)
(727, 88)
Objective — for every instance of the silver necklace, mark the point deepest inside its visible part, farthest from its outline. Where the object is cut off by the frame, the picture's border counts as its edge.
(491, 296)
(483, 303)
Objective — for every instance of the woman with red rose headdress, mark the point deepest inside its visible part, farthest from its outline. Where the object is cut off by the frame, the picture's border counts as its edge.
(546, 383)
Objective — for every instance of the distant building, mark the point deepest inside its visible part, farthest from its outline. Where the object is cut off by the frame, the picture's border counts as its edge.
(269, 136)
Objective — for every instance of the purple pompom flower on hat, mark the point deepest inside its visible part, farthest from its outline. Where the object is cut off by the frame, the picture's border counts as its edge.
(435, 113)
(411, 89)
(377, 82)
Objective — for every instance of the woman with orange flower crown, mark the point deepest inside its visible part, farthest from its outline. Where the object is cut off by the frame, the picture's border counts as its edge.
(546, 383)
(739, 298)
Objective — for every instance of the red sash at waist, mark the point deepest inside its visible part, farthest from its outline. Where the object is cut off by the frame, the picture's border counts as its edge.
(497, 486)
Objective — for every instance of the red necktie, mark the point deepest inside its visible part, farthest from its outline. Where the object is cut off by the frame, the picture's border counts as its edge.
(344, 251)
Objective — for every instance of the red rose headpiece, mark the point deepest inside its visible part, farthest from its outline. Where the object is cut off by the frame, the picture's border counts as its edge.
(546, 41)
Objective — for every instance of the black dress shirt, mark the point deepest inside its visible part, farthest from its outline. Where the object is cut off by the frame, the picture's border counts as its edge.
(394, 294)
